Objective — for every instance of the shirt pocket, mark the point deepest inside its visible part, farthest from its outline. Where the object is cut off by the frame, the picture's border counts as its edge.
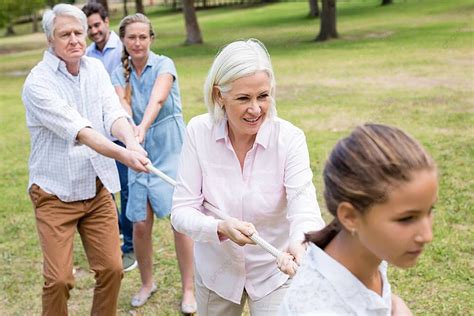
(268, 196)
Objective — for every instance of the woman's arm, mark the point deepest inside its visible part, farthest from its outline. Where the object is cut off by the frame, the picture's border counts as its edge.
(303, 209)
(159, 94)
(186, 215)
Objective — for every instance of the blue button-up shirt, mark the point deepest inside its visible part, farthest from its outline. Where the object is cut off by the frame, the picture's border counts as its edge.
(110, 55)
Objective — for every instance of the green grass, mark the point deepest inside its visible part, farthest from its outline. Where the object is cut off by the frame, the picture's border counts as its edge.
(410, 65)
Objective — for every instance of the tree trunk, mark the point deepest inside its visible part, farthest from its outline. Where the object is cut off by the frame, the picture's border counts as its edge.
(34, 18)
(385, 2)
(9, 30)
(328, 21)
(193, 33)
(139, 6)
(313, 8)
(125, 9)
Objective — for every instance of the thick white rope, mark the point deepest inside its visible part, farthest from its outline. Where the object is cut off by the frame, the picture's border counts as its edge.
(254, 237)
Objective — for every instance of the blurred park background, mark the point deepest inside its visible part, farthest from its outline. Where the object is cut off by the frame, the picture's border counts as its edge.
(408, 63)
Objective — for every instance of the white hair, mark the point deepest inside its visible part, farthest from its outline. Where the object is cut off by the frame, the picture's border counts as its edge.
(62, 10)
(238, 59)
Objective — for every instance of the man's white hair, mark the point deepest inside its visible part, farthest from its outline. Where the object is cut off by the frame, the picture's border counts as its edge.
(62, 10)
(237, 60)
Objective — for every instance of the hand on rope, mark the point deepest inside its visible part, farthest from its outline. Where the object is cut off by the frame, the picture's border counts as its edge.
(285, 261)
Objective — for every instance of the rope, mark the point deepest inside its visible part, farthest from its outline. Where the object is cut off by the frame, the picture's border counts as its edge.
(254, 237)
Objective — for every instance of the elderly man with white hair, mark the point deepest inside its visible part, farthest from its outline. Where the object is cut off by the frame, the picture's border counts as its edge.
(71, 108)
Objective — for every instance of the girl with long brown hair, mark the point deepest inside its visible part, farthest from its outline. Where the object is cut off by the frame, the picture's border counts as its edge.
(380, 186)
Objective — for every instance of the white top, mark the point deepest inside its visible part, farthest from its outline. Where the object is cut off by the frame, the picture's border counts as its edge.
(274, 191)
(58, 105)
(323, 286)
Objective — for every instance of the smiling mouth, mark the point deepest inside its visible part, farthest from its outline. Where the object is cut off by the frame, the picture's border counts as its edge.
(252, 120)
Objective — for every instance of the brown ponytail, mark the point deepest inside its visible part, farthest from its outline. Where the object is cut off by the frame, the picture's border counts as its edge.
(126, 73)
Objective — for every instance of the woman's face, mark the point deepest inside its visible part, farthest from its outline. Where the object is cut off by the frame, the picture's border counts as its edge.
(397, 230)
(247, 104)
(137, 40)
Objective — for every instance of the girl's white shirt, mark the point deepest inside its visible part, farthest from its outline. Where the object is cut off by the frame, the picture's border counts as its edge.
(323, 286)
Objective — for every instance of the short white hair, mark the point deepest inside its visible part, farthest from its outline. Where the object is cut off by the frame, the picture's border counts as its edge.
(62, 10)
(238, 59)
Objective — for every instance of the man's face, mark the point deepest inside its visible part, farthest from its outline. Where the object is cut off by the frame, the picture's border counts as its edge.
(69, 39)
(98, 29)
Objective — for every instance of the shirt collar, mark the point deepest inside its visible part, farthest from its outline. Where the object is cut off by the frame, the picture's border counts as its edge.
(263, 135)
(52, 60)
(346, 284)
(113, 42)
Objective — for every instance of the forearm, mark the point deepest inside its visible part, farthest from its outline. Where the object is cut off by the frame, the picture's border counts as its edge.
(151, 112)
(100, 143)
(195, 224)
(122, 129)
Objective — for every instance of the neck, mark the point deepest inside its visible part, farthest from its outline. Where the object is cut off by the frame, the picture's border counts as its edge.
(241, 142)
(348, 251)
(139, 65)
(102, 45)
(73, 67)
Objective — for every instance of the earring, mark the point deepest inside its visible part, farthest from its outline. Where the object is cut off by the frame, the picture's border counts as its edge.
(353, 232)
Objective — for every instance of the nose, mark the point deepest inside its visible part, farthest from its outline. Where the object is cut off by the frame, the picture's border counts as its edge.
(425, 232)
(254, 107)
(73, 39)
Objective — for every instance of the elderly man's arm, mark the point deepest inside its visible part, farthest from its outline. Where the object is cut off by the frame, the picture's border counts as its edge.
(98, 142)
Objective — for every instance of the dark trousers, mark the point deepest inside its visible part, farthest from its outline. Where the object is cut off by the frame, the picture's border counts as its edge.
(126, 226)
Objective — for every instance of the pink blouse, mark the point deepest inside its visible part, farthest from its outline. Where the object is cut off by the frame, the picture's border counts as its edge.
(274, 191)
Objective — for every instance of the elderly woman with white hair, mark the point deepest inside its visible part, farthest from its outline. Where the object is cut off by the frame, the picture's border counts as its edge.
(253, 166)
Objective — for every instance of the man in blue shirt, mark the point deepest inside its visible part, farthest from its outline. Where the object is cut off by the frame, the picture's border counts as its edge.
(107, 47)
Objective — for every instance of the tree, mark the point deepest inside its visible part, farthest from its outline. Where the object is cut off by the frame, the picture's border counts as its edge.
(313, 8)
(11, 10)
(193, 32)
(125, 9)
(139, 6)
(386, 2)
(328, 21)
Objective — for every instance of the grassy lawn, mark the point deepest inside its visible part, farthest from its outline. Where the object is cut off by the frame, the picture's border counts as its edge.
(410, 65)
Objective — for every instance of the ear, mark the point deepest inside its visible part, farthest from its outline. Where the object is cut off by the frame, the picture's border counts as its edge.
(348, 216)
(217, 95)
(107, 21)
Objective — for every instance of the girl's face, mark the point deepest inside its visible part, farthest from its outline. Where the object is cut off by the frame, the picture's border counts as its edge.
(137, 40)
(397, 230)
(247, 104)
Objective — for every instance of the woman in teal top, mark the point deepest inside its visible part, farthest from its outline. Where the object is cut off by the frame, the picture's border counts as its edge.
(147, 85)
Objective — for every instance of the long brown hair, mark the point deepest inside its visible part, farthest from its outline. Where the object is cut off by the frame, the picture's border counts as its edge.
(363, 166)
(126, 21)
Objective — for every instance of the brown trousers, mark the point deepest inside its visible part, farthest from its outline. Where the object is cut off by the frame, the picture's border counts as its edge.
(96, 221)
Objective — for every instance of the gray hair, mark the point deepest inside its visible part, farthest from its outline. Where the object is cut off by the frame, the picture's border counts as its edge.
(62, 10)
(238, 59)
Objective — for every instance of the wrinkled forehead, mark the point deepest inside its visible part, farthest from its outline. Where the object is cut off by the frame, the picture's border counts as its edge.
(66, 23)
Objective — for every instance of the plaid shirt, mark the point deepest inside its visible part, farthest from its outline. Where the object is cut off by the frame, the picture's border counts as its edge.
(58, 105)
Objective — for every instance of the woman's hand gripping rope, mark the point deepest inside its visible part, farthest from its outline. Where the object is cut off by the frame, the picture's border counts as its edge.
(285, 261)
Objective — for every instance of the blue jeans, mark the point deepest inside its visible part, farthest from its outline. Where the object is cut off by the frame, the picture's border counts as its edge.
(126, 226)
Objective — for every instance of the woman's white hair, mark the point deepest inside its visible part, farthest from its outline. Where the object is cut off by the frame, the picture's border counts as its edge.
(62, 10)
(236, 60)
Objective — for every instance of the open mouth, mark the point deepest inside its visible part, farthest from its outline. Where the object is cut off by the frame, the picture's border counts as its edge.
(252, 120)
